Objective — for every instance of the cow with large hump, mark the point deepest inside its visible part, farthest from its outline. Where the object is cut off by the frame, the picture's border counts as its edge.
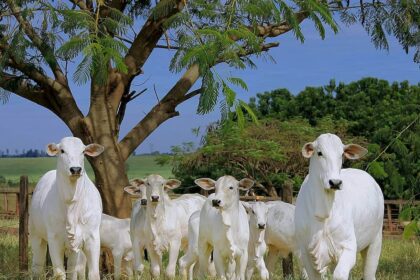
(166, 224)
(339, 212)
(65, 211)
(224, 228)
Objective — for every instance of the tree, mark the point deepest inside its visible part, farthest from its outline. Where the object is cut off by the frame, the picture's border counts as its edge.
(39, 38)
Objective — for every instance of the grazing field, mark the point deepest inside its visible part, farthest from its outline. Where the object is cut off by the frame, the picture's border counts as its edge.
(400, 259)
(12, 168)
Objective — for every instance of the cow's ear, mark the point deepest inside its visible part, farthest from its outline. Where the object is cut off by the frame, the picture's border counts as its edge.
(137, 182)
(133, 191)
(94, 150)
(172, 184)
(308, 150)
(247, 206)
(52, 149)
(205, 183)
(354, 151)
(245, 184)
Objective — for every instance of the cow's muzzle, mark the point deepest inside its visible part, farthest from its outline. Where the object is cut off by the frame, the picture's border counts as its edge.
(216, 202)
(75, 171)
(261, 226)
(143, 201)
(335, 184)
(155, 198)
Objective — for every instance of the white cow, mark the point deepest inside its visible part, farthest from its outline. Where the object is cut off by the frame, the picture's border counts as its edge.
(339, 212)
(65, 211)
(280, 232)
(258, 215)
(167, 222)
(224, 228)
(189, 260)
(138, 223)
(115, 235)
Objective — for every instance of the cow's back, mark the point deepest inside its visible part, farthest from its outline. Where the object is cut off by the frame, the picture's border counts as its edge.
(280, 231)
(364, 197)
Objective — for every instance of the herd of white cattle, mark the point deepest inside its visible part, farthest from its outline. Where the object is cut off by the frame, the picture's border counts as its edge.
(338, 213)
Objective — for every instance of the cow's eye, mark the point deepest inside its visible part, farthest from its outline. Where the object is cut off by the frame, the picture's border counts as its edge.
(230, 188)
(320, 154)
(62, 151)
(253, 212)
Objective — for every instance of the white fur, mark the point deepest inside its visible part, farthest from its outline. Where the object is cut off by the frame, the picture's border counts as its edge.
(166, 225)
(65, 212)
(258, 215)
(115, 235)
(333, 225)
(224, 229)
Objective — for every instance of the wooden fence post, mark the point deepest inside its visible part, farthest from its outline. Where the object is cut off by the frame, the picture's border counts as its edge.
(287, 263)
(23, 224)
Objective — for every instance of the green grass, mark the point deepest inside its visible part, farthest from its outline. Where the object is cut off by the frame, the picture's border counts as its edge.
(13, 168)
(400, 260)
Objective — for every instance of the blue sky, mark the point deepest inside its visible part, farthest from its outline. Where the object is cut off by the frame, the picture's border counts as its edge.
(345, 57)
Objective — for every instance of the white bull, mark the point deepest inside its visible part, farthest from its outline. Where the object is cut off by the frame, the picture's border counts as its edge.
(224, 228)
(65, 211)
(167, 222)
(339, 212)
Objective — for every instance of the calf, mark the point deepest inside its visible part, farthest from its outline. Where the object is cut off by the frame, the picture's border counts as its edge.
(258, 215)
(65, 211)
(166, 225)
(224, 227)
(339, 212)
(138, 223)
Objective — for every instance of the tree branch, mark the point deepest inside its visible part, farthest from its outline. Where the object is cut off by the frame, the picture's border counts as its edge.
(45, 49)
(81, 4)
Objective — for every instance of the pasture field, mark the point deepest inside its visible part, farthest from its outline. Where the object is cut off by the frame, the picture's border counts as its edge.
(400, 259)
(13, 168)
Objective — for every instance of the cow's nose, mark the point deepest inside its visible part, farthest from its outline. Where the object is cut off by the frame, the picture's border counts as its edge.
(143, 201)
(261, 226)
(75, 170)
(155, 198)
(216, 202)
(335, 184)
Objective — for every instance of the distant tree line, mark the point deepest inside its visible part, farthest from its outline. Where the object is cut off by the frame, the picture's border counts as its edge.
(381, 116)
(31, 153)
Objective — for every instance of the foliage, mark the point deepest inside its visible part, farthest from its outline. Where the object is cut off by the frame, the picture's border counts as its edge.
(268, 152)
(373, 109)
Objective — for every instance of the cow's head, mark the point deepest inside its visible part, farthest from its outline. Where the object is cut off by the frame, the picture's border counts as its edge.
(70, 154)
(258, 214)
(155, 187)
(326, 155)
(226, 189)
(137, 189)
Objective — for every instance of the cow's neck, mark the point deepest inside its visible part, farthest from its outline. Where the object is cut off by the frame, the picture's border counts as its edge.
(321, 201)
(69, 190)
(157, 210)
(256, 234)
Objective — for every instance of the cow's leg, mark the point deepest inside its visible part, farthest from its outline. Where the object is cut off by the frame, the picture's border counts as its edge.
(272, 256)
(186, 264)
(92, 250)
(260, 264)
(219, 263)
(81, 266)
(72, 265)
(56, 250)
(39, 253)
(307, 264)
(241, 262)
(138, 249)
(250, 268)
(173, 258)
(155, 262)
(117, 256)
(371, 258)
(203, 257)
(345, 263)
